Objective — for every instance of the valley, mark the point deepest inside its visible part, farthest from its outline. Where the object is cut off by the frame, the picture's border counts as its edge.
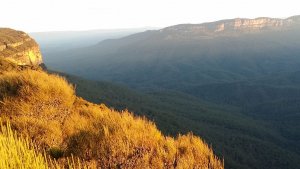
(238, 89)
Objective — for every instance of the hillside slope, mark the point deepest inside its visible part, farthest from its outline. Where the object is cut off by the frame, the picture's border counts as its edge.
(229, 131)
(250, 65)
(45, 109)
(187, 55)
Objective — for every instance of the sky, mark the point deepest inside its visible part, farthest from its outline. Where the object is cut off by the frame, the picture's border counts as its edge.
(68, 15)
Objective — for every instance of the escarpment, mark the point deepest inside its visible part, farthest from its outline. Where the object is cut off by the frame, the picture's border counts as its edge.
(19, 47)
(230, 27)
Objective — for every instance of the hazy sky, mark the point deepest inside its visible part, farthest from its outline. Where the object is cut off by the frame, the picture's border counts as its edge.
(55, 15)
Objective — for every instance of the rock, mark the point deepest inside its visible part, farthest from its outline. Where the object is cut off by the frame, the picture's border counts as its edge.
(229, 27)
(19, 47)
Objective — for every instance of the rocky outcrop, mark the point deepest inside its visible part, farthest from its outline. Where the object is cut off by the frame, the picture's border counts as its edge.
(230, 27)
(18, 47)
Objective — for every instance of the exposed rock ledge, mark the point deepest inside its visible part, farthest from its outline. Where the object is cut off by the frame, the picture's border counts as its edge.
(238, 25)
(18, 47)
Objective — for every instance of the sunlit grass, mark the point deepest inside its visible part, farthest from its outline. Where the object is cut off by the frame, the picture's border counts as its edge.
(44, 108)
(20, 153)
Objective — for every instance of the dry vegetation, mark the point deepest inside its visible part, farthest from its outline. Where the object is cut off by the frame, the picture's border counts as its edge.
(45, 109)
(10, 36)
(18, 152)
(6, 65)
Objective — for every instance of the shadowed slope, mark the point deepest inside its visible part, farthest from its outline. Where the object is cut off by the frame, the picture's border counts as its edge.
(44, 107)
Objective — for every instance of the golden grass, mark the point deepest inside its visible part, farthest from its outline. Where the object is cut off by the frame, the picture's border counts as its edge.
(20, 153)
(44, 108)
(119, 139)
(36, 103)
(6, 65)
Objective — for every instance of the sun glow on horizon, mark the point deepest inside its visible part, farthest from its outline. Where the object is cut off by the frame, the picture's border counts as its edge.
(60, 15)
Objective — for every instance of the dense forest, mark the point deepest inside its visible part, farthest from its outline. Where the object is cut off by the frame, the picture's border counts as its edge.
(45, 125)
(226, 128)
(239, 90)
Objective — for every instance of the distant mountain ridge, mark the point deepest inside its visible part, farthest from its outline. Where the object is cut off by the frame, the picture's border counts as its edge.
(237, 25)
(209, 56)
(208, 30)
(237, 66)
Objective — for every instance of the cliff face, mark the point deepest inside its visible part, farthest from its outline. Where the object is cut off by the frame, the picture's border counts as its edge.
(231, 26)
(19, 47)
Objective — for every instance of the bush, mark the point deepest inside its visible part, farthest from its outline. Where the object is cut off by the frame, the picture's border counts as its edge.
(56, 152)
(44, 108)
(121, 140)
(36, 103)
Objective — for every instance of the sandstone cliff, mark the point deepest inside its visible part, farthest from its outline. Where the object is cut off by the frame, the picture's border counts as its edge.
(18, 47)
(230, 27)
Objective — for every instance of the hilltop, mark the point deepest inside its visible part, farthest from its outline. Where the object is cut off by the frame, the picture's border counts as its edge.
(230, 27)
(44, 108)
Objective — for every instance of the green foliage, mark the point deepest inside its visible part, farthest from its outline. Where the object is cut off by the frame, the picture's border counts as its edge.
(56, 152)
(240, 93)
(229, 131)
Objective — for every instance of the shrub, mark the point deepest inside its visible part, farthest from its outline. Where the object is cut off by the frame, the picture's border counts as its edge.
(44, 108)
(121, 140)
(36, 103)
(56, 152)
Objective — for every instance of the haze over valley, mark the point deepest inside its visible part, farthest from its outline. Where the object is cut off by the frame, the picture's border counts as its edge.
(149, 84)
(237, 76)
